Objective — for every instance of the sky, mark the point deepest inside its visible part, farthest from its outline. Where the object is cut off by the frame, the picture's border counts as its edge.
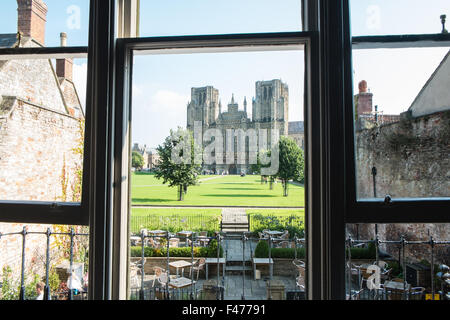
(162, 83)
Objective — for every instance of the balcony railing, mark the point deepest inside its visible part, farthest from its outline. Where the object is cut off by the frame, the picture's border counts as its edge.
(374, 278)
(71, 292)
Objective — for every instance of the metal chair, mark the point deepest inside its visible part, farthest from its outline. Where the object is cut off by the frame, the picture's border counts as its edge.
(201, 263)
(158, 272)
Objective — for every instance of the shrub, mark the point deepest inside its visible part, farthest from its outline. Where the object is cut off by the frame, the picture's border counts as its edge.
(363, 253)
(262, 250)
(175, 252)
(293, 223)
(287, 253)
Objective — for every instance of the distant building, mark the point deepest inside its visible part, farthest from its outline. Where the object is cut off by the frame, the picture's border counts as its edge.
(150, 156)
(270, 110)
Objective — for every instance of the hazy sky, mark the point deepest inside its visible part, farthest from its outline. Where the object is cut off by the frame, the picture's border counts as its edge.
(162, 83)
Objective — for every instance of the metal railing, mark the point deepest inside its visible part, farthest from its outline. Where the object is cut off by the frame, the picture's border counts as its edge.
(48, 234)
(380, 291)
(164, 289)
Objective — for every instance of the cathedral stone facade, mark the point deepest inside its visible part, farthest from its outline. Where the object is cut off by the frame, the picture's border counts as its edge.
(270, 111)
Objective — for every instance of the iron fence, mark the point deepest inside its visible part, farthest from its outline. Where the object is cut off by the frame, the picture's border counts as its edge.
(70, 293)
(369, 284)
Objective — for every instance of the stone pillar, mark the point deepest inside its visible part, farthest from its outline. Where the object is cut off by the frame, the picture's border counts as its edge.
(275, 290)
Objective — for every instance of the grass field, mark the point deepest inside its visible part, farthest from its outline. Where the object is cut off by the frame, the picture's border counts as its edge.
(215, 191)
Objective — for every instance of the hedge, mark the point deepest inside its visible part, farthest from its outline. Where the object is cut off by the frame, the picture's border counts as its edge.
(206, 252)
(262, 251)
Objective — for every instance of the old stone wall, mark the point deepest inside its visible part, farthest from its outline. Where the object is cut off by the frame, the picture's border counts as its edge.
(38, 163)
(412, 159)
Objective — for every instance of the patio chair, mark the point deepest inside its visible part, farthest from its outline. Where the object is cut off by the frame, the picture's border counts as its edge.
(174, 242)
(203, 234)
(300, 282)
(283, 244)
(285, 235)
(201, 263)
(158, 272)
(152, 243)
(163, 278)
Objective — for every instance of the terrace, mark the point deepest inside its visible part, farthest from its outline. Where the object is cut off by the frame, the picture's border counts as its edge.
(231, 266)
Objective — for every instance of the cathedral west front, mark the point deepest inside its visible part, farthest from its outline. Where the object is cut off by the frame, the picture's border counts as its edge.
(269, 111)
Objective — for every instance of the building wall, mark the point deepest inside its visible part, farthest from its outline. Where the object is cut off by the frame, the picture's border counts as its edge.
(412, 158)
(36, 144)
(34, 81)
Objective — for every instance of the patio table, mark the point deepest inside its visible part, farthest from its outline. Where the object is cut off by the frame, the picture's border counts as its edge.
(274, 233)
(181, 283)
(185, 233)
(157, 232)
(180, 264)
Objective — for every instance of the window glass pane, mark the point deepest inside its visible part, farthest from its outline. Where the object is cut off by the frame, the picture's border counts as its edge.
(210, 95)
(29, 244)
(385, 17)
(42, 115)
(179, 17)
(42, 21)
(407, 255)
(402, 106)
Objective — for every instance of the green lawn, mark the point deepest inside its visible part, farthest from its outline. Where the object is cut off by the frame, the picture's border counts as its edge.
(215, 191)
(175, 220)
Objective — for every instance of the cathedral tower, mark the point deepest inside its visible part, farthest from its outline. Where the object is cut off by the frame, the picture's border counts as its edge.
(204, 106)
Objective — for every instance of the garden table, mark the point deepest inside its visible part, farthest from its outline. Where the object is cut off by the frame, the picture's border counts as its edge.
(180, 264)
(157, 232)
(185, 234)
(181, 283)
(274, 232)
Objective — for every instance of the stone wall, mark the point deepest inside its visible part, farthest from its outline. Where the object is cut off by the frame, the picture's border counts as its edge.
(412, 158)
(36, 151)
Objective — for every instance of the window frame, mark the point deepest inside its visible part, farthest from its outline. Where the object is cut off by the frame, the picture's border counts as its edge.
(125, 49)
(395, 210)
(48, 212)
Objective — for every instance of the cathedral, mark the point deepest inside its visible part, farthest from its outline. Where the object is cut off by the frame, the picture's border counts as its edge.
(270, 111)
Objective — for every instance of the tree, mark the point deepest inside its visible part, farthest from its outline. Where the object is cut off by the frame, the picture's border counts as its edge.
(292, 162)
(137, 160)
(178, 164)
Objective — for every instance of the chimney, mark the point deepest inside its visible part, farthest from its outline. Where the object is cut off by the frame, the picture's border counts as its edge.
(364, 99)
(64, 67)
(32, 16)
